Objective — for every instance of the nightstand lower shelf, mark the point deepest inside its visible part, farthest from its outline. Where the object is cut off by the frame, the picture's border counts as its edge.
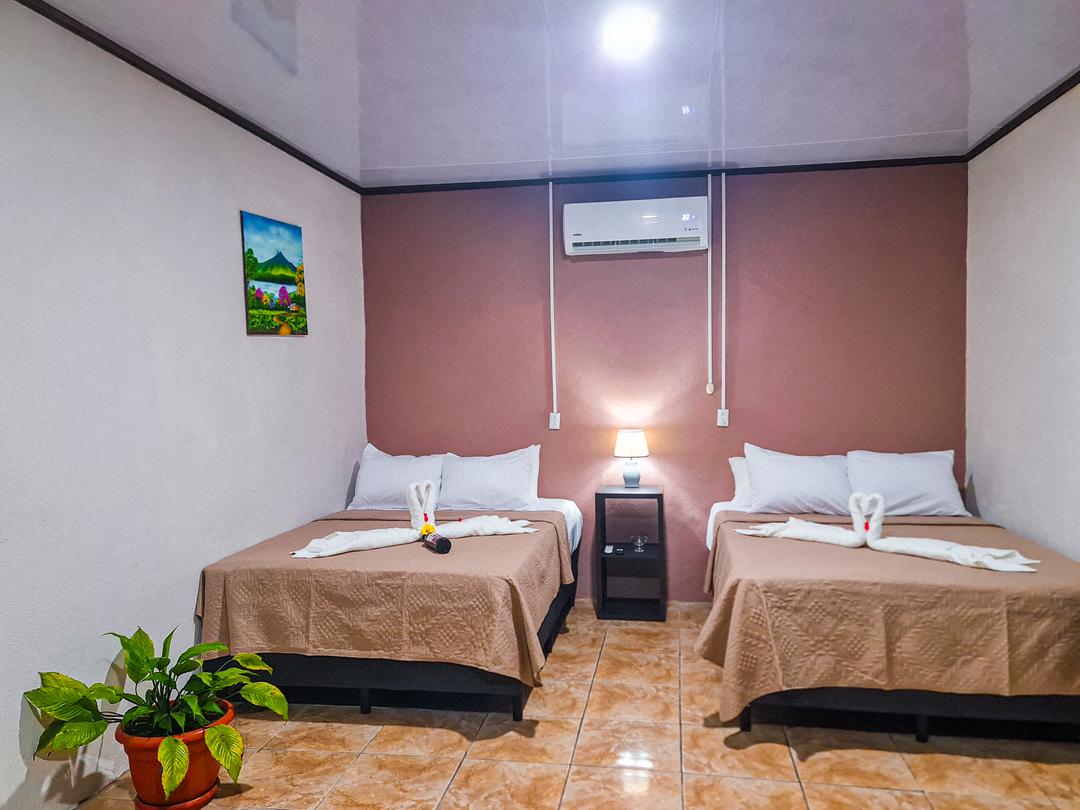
(649, 610)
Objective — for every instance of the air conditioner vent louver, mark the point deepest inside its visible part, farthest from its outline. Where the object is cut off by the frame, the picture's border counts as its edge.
(694, 240)
(636, 226)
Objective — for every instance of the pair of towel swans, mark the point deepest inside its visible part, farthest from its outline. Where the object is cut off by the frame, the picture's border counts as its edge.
(867, 523)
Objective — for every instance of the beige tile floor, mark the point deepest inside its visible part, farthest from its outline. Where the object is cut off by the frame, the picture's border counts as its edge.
(625, 719)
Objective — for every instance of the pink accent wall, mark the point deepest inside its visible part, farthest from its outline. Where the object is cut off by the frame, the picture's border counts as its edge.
(845, 330)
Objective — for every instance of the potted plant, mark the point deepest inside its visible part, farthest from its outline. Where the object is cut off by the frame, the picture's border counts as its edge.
(176, 734)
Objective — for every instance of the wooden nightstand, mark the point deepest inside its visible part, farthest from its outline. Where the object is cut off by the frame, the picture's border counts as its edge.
(630, 584)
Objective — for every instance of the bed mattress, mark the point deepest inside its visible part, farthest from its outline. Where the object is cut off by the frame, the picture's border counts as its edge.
(481, 605)
(790, 614)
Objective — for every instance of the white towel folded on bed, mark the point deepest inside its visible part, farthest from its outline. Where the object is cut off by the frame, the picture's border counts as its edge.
(342, 542)
(483, 524)
(995, 559)
(796, 529)
(867, 516)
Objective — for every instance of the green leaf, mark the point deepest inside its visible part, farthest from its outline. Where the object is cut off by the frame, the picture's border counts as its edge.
(252, 661)
(136, 713)
(138, 655)
(166, 645)
(136, 668)
(231, 676)
(61, 702)
(44, 744)
(196, 710)
(138, 650)
(162, 678)
(185, 667)
(179, 719)
(78, 733)
(202, 649)
(59, 679)
(226, 746)
(173, 756)
(110, 694)
(267, 695)
(142, 643)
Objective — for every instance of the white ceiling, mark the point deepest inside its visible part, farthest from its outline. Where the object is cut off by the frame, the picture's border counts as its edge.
(391, 92)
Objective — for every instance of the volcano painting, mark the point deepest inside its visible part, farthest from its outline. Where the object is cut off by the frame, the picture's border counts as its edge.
(273, 276)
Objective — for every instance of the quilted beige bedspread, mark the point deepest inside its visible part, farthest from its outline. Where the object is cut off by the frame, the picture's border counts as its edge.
(481, 605)
(790, 614)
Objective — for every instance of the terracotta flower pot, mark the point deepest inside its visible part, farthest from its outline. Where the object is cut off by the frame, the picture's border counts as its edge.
(199, 786)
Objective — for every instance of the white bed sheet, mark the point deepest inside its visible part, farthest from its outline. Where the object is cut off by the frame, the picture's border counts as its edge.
(717, 508)
(574, 518)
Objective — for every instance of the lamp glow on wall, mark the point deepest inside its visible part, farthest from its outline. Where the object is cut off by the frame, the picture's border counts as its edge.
(631, 445)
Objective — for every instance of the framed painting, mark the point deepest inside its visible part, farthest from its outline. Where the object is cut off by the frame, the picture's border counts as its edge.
(273, 276)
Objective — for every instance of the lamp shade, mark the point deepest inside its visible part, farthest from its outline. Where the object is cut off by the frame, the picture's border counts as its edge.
(631, 444)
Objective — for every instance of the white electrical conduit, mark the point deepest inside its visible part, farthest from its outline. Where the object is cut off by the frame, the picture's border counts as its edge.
(551, 289)
(723, 288)
(710, 388)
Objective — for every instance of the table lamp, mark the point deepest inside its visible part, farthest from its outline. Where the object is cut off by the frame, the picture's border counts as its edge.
(631, 445)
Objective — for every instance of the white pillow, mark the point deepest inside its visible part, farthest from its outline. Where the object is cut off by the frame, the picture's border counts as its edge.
(785, 484)
(742, 481)
(382, 479)
(912, 483)
(506, 481)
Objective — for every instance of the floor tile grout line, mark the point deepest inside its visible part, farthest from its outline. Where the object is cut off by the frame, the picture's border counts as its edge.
(915, 779)
(581, 721)
(334, 784)
(795, 765)
(679, 664)
(450, 781)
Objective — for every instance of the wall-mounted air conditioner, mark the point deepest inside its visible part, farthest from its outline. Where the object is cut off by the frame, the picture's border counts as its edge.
(636, 226)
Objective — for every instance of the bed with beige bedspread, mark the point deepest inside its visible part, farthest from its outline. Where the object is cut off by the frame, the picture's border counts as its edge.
(790, 614)
(480, 606)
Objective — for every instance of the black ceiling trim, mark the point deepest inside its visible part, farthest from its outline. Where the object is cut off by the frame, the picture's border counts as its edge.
(116, 49)
(533, 181)
(119, 51)
(1041, 103)
(671, 175)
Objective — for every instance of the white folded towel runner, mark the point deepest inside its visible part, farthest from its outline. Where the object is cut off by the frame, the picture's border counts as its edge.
(421, 500)
(868, 517)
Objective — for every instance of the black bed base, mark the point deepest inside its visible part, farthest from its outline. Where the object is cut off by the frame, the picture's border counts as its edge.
(365, 682)
(1054, 717)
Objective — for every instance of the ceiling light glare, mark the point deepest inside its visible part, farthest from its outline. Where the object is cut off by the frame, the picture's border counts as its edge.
(629, 33)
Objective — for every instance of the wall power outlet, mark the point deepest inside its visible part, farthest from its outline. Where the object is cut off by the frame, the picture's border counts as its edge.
(723, 416)
(553, 421)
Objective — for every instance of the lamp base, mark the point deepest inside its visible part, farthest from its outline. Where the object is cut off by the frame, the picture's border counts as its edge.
(631, 475)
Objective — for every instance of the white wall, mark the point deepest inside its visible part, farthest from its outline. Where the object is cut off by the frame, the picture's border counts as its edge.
(1023, 363)
(143, 434)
